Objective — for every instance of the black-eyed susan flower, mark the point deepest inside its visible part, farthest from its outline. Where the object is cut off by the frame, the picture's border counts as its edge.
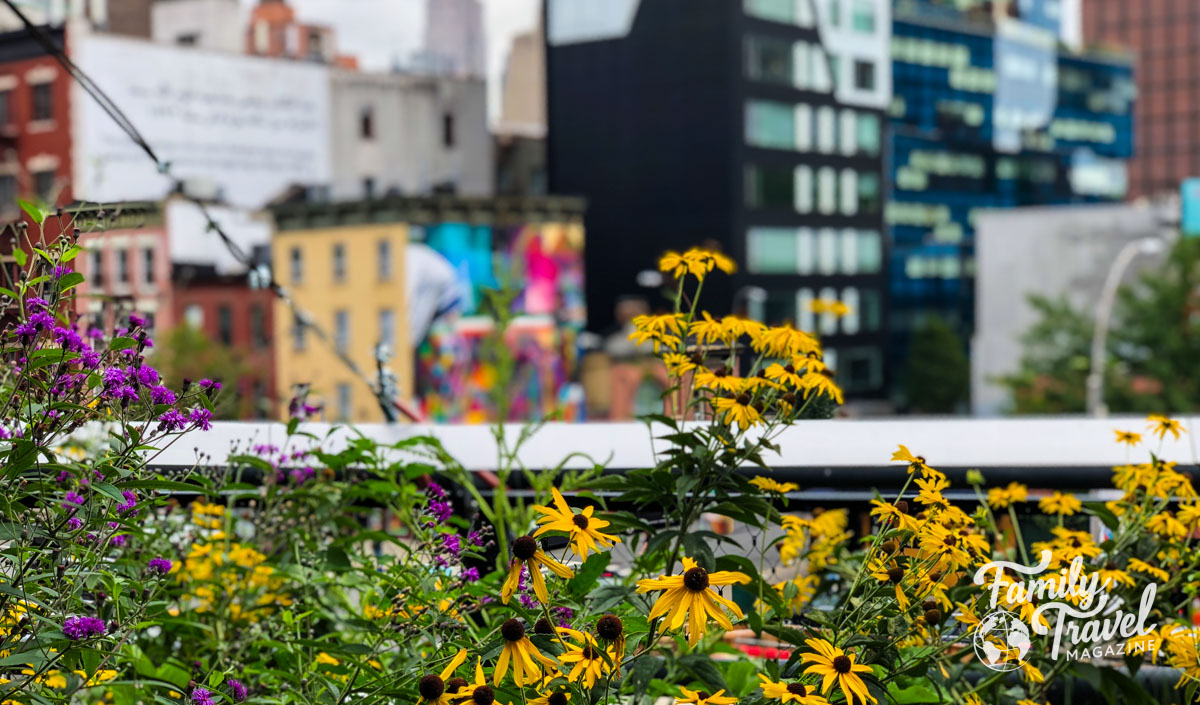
(523, 655)
(822, 383)
(611, 630)
(553, 696)
(915, 462)
(432, 686)
(890, 513)
(679, 364)
(689, 597)
(738, 410)
(527, 554)
(661, 329)
(586, 660)
(1060, 504)
(1001, 497)
(582, 529)
(766, 484)
(1129, 438)
(1167, 526)
(834, 665)
(700, 697)
(783, 342)
(784, 374)
(718, 380)
(1161, 425)
(1183, 652)
(794, 692)
(1137, 565)
(830, 306)
(708, 330)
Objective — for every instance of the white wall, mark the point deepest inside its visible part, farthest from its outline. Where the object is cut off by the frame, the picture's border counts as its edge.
(219, 25)
(842, 40)
(1051, 251)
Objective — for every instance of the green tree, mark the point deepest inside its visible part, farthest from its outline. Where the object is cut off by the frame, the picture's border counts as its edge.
(937, 376)
(188, 353)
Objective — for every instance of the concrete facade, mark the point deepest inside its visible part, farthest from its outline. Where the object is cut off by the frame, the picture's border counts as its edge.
(215, 25)
(405, 135)
(1050, 251)
(455, 42)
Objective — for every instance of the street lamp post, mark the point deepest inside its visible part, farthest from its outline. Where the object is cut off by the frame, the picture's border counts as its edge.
(1095, 378)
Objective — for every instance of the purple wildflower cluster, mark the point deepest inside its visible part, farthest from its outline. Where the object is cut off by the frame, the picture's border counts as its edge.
(236, 689)
(438, 507)
(471, 575)
(201, 696)
(129, 506)
(160, 565)
(72, 501)
(76, 628)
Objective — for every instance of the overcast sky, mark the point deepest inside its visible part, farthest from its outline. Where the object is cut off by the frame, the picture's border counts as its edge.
(379, 32)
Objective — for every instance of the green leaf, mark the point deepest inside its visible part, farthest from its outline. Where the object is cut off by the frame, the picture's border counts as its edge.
(71, 253)
(701, 666)
(740, 677)
(588, 575)
(20, 256)
(1101, 512)
(70, 281)
(121, 343)
(337, 560)
(35, 213)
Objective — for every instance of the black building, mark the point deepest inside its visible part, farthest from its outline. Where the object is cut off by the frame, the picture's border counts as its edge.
(689, 122)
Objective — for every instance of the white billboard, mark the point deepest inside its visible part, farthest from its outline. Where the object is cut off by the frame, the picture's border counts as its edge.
(247, 126)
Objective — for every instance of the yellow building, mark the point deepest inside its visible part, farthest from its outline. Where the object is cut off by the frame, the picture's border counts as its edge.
(350, 278)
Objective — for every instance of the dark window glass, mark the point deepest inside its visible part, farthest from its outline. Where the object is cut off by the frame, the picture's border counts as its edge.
(225, 325)
(43, 184)
(447, 130)
(366, 123)
(770, 187)
(5, 107)
(864, 75)
(258, 327)
(43, 106)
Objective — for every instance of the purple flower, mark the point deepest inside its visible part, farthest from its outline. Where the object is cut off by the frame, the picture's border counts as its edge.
(527, 602)
(36, 302)
(136, 321)
(61, 270)
(201, 696)
(160, 565)
(147, 375)
(95, 333)
(452, 543)
(120, 541)
(161, 395)
(471, 574)
(130, 504)
(74, 523)
(172, 420)
(210, 385)
(435, 490)
(475, 538)
(114, 376)
(90, 359)
(201, 417)
(301, 475)
(72, 501)
(76, 628)
(442, 511)
(236, 689)
(68, 339)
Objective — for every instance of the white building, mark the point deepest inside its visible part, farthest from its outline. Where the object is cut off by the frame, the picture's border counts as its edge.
(217, 25)
(857, 35)
(454, 39)
(1051, 251)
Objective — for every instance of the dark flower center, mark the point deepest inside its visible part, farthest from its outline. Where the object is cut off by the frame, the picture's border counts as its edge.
(513, 630)
(483, 695)
(933, 616)
(580, 520)
(455, 684)
(842, 664)
(743, 399)
(524, 548)
(797, 689)
(1075, 542)
(895, 574)
(789, 369)
(720, 372)
(920, 460)
(431, 687)
(543, 626)
(696, 579)
(790, 398)
(589, 653)
(949, 540)
(557, 699)
(703, 695)
(902, 506)
(609, 627)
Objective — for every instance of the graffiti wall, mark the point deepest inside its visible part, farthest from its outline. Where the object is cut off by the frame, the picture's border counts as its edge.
(459, 366)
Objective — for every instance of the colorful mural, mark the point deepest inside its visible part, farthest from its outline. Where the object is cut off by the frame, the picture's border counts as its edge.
(543, 263)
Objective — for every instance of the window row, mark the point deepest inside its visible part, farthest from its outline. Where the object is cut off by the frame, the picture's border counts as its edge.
(800, 12)
(383, 259)
(193, 315)
(341, 331)
(41, 101)
(97, 274)
(774, 250)
(823, 190)
(803, 128)
(798, 64)
(806, 307)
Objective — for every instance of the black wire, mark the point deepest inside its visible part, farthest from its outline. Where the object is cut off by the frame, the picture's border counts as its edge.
(122, 120)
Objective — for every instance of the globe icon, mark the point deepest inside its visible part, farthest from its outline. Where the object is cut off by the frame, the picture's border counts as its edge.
(1002, 641)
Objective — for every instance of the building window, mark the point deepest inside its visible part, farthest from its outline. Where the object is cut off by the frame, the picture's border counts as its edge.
(771, 250)
(862, 369)
(339, 262)
(258, 326)
(829, 321)
(826, 129)
(769, 59)
(804, 251)
(835, 13)
(864, 75)
(770, 187)
(804, 127)
(341, 331)
(8, 192)
(368, 184)
(343, 401)
(770, 124)
(148, 265)
(862, 16)
(122, 266)
(43, 106)
(447, 130)
(5, 107)
(848, 132)
(850, 321)
(849, 251)
(298, 337)
(95, 272)
(297, 266)
(387, 328)
(870, 252)
(804, 189)
(826, 190)
(772, 10)
(193, 316)
(805, 320)
(868, 192)
(225, 325)
(868, 133)
(366, 123)
(187, 39)
(849, 192)
(43, 184)
(827, 251)
(384, 255)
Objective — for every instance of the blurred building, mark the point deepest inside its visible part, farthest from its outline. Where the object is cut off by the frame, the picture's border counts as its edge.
(731, 123)
(215, 25)
(352, 277)
(520, 131)
(455, 43)
(274, 31)
(1163, 37)
(1053, 251)
(405, 134)
(989, 111)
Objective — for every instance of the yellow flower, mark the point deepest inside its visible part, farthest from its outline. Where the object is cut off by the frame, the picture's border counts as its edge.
(783, 374)
(766, 484)
(1139, 566)
(1183, 652)
(1031, 673)
(783, 342)
(1060, 503)
(835, 665)
(432, 687)
(583, 529)
(54, 679)
(822, 382)
(887, 512)
(1127, 437)
(833, 306)
(690, 595)
(526, 553)
(1161, 425)
(1001, 497)
(1189, 514)
(737, 410)
(326, 660)
(104, 675)
(915, 462)
(1167, 526)
(699, 697)
(718, 380)
(588, 659)
(524, 656)
(709, 330)
(696, 262)
(661, 329)
(794, 692)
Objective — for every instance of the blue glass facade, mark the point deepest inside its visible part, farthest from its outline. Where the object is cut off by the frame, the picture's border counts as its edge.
(988, 114)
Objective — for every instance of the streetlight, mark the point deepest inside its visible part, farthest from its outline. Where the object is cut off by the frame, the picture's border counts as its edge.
(1095, 378)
